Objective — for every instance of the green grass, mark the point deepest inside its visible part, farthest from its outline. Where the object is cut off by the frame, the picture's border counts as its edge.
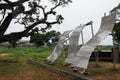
(20, 55)
(23, 50)
(17, 56)
(23, 53)
(14, 66)
(104, 47)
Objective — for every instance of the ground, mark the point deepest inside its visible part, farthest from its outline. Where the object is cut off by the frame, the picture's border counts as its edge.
(24, 71)
(106, 71)
(14, 66)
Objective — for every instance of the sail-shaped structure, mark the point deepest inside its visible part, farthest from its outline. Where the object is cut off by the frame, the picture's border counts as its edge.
(81, 59)
(73, 42)
(58, 49)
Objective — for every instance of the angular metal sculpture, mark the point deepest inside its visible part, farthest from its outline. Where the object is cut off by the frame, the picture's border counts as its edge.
(58, 49)
(81, 58)
(73, 42)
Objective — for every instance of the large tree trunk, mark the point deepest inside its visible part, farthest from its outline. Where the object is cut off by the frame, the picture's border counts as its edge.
(10, 37)
(5, 24)
(18, 35)
(10, 5)
(8, 20)
(20, 9)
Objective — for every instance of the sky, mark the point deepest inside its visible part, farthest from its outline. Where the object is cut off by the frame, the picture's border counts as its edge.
(81, 12)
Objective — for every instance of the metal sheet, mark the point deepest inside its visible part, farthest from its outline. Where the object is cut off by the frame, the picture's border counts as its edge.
(73, 43)
(58, 49)
(81, 59)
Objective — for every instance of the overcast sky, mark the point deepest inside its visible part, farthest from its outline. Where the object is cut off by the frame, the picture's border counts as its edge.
(81, 12)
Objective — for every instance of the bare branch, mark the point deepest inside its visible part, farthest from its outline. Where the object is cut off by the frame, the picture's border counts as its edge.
(10, 5)
(42, 10)
(56, 6)
(9, 2)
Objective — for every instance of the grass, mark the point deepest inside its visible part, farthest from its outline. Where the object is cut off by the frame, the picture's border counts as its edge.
(23, 53)
(13, 65)
(16, 56)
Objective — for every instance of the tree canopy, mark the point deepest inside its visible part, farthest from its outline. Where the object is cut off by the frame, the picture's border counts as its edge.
(117, 33)
(30, 14)
(45, 39)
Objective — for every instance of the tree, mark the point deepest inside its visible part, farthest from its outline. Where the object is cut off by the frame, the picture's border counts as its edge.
(45, 38)
(116, 35)
(34, 15)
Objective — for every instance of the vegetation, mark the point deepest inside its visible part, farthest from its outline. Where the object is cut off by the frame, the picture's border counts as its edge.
(47, 38)
(33, 15)
(13, 65)
(117, 33)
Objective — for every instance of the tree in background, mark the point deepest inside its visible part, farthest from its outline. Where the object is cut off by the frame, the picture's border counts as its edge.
(53, 36)
(30, 14)
(116, 35)
(48, 38)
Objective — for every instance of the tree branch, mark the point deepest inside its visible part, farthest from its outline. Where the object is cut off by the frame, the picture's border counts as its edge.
(9, 2)
(8, 19)
(30, 11)
(12, 36)
(56, 6)
(10, 5)
(42, 10)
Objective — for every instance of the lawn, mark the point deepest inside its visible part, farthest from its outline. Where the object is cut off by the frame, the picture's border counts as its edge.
(13, 65)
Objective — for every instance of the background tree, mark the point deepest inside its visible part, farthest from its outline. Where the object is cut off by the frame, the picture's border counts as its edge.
(116, 35)
(30, 14)
(47, 38)
(53, 36)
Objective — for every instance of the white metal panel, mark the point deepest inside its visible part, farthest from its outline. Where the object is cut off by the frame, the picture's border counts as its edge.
(73, 43)
(82, 56)
(58, 49)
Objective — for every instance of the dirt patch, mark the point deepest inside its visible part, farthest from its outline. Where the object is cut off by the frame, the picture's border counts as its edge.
(32, 75)
(3, 54)
(107, 76)
(105, 71)
(27, 72)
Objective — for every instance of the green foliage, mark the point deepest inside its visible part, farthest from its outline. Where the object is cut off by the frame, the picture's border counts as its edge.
(42, 39)
(23, 50)
(100, 47)
(53, 35)
(21, 54)
(117, 33)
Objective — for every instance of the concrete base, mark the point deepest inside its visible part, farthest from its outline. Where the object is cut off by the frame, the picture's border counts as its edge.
(60, 71)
